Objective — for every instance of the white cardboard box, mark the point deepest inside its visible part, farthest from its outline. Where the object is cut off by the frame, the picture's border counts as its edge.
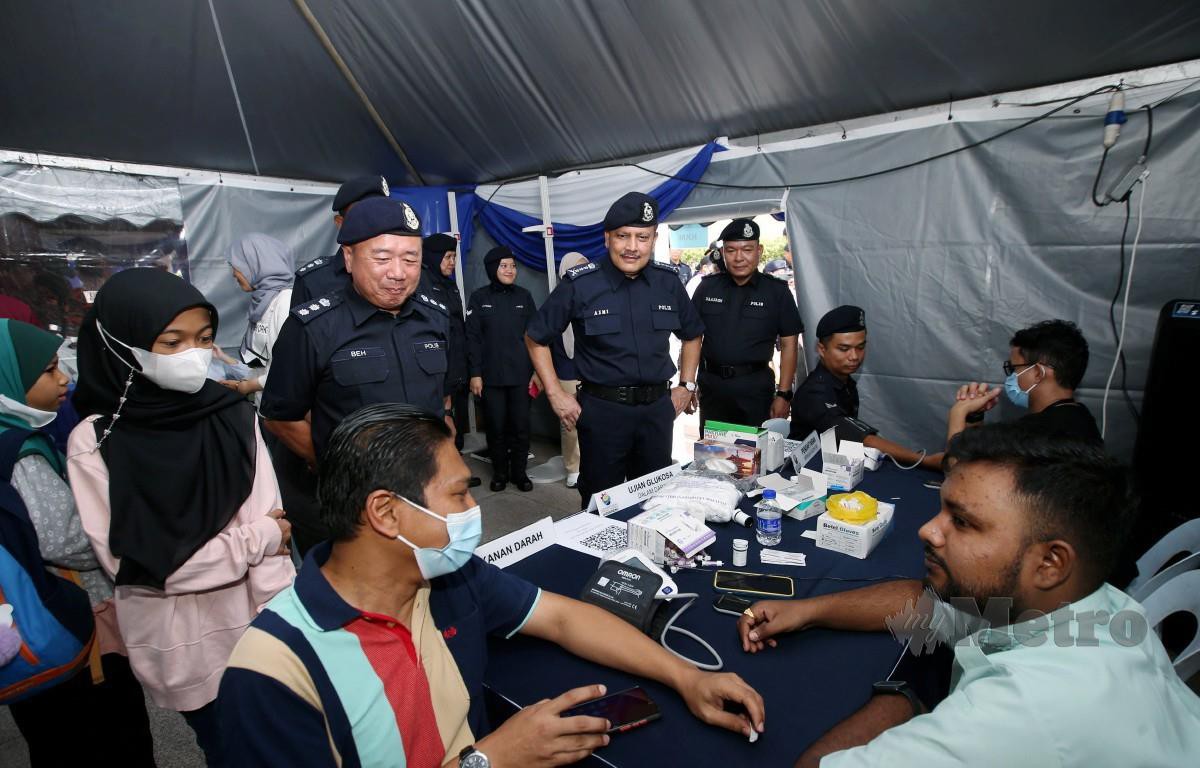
(801, 497)
(656, 532)
(854, 540)
(842, 464)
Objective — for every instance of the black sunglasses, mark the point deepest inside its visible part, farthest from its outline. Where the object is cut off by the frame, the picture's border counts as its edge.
(1009, 370)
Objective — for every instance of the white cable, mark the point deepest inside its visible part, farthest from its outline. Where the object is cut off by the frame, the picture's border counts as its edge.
(670, 627)
(914, 465)
(1124, 307)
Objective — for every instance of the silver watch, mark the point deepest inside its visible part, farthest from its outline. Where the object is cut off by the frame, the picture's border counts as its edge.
(690, 386)
(473, 758)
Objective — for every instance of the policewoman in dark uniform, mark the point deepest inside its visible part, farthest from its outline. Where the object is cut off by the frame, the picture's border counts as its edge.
(829, 396)
(327, 274)
(379, 340)
(622, 310)
(438, 256)
(497, 315)
(744, 312)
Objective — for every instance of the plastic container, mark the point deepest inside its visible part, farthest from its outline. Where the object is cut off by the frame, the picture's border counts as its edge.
(740, 546)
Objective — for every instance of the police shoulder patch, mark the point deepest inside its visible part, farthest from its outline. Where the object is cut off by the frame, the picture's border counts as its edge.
(674, 270)
(314, 264)
(430, 301)
(582, 269)
(319, 306)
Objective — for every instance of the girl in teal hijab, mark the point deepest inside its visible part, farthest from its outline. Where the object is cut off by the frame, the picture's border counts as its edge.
(31, 386)
(109, 699)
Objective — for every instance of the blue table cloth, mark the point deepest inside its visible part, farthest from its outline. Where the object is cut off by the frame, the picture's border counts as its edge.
(813, 680)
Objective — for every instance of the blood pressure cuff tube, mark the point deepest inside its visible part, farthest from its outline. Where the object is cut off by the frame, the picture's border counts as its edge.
(624, 591)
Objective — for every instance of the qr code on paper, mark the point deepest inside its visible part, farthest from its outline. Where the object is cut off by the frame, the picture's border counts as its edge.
(608, 540)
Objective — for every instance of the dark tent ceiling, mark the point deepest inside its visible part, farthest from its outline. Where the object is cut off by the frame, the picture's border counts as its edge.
(479, 90)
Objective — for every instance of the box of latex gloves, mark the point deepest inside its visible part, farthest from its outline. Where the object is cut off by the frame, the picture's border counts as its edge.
(666, 535)
(853, 524)
(801, 497)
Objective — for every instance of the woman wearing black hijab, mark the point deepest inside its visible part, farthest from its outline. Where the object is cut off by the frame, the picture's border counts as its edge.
(499, 365)
(175, 490)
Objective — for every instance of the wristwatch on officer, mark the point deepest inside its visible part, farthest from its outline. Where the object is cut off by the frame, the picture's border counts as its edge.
(473, 758)
(785, 394)
(690, 386)
(900, 688)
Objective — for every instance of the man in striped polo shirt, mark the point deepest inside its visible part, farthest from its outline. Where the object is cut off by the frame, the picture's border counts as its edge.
(376, 655)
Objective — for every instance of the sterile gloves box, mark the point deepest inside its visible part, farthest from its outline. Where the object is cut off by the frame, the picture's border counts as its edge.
(666, 534)
(801, 497)
(854, 540)
(842, 464)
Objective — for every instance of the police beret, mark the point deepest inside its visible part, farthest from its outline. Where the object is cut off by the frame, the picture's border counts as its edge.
(379, 216)
(439, 243)
(844, 319)
(633, 209)
(740, 229)
(358, 189)
(497, 255)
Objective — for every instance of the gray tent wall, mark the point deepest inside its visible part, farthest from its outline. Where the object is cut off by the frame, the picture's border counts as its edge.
(949, 258)
(218, 215)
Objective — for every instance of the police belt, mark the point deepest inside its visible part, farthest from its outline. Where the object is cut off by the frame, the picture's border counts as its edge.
(730, 371)
(641, 395)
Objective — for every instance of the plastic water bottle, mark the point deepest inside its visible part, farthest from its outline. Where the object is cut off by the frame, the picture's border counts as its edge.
(769, 530)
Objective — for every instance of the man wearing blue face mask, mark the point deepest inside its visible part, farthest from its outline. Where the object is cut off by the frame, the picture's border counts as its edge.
(377, 654)
(1045, 365)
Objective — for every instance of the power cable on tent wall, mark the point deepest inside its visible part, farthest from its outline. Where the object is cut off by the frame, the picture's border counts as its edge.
(233, 84)
(884, 171)
(1137, 236)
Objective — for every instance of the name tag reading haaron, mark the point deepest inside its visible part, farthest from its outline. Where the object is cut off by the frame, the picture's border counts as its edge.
(519, 544)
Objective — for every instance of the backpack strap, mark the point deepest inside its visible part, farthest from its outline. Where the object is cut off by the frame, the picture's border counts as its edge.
(11, 441)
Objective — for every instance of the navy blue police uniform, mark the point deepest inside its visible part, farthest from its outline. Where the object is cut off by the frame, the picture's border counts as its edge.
(824, 400)
(497, 316)
(622, 355)
(445, 290)
(741, 326)
(327, 274)
(339, 352)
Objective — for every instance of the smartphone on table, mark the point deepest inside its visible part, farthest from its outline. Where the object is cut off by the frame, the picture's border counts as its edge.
(624, 710)
(731, 604)
(763, 584)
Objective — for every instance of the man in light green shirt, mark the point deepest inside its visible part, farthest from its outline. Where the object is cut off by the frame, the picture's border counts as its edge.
(1064, 672)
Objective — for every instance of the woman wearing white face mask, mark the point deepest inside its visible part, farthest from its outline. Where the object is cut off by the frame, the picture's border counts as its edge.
(104, 695)
(175, 490)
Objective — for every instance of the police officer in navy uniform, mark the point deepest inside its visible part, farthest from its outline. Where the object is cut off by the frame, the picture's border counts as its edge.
(621, 309)
(744, 312)
(497, 315)
(328, 273)
(829, 396)
(380, 339)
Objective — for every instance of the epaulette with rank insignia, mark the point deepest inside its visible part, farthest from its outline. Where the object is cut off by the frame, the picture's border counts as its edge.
(425, 298)
(582, 269)
(674, 270)
(306, 312)
(314, 264)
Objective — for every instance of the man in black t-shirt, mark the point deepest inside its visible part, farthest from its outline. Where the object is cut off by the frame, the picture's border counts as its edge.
(1045, 364)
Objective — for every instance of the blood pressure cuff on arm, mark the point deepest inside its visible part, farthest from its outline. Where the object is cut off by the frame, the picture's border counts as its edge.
(849, 428)
(625, 591)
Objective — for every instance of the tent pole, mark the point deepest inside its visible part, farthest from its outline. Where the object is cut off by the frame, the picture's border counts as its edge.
(548, 233)
(452, 199)
(302, 6)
